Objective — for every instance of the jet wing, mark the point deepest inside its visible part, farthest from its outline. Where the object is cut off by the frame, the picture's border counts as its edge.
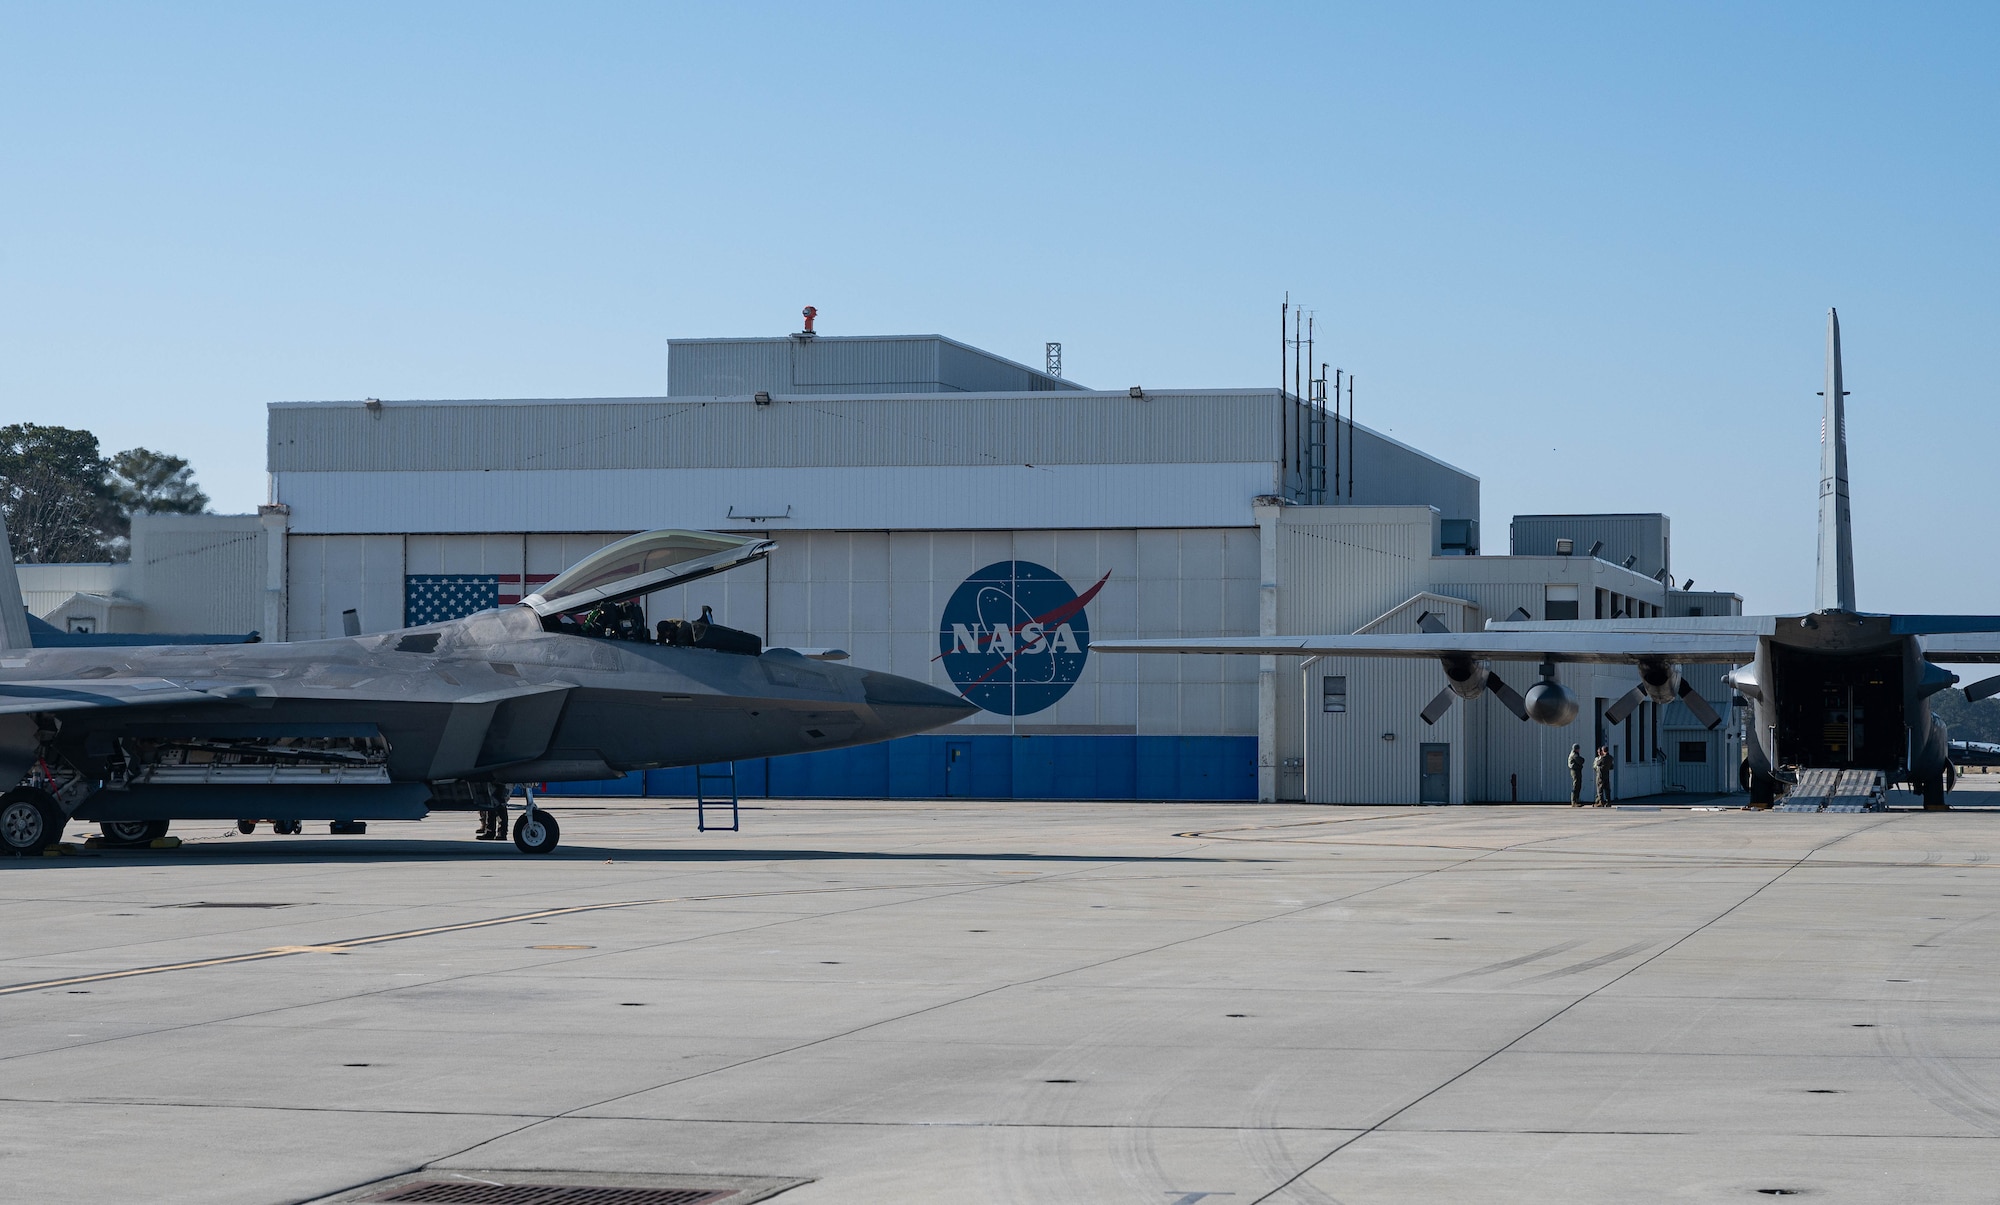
(1603, 648)
(58, 694)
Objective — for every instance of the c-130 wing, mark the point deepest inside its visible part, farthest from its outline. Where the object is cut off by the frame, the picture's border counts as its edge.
(1601, 648)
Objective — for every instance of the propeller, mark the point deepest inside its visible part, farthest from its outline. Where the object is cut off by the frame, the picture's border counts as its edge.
(1985, 688)
(1509, 697)
(1616, 713)
(1699, 706)
(1465, 680)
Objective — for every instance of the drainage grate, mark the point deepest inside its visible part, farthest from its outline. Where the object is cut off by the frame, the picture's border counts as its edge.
(548, 1186)
(465, 1192)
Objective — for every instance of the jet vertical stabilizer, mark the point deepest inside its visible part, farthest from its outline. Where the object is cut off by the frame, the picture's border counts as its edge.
(1836, 535)
(13, 615)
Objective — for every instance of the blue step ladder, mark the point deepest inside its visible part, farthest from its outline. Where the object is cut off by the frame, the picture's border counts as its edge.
(714, 791)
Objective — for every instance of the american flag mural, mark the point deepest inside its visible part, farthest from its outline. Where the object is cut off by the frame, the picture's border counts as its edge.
(436, 597)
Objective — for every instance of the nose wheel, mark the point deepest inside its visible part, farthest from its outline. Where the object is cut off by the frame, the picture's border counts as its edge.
(536, 832)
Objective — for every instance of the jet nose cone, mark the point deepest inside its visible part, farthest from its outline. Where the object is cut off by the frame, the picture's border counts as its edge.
(907, 706)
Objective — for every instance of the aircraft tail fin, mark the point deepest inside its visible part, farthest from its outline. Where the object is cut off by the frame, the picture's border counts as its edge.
(1836, 535)
(13, 614)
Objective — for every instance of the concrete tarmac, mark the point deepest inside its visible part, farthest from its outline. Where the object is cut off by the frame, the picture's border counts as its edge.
(1023, 1002)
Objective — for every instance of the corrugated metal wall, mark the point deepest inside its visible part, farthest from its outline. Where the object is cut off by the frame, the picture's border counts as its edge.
(199, 573)
(927, 497)
(1647, 537)
(326, 575)
(1372, 752)
(44, 587)
(842, 365)
(1338, 568)
(1036, 428)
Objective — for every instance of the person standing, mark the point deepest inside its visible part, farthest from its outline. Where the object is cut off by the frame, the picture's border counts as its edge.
(1603, 766)
(1576, 776)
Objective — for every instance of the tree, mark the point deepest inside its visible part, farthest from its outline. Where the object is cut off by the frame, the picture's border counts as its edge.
(65, 502)
(145, 480)
(1968, 721)
(53, 487)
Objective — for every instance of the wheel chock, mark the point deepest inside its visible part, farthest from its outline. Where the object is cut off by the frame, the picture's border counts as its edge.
(168, 842)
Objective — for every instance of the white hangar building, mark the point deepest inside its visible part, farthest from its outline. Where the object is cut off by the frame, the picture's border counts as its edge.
(931, 501)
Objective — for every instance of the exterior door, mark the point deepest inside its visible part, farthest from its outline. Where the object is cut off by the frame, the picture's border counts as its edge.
(1434, 785)
(958, 768)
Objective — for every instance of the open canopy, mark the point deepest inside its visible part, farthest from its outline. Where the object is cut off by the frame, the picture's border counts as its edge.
(641, 564)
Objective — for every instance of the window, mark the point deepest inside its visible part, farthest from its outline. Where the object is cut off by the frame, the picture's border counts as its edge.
(1333, 693)
(1560, 603)
(1694, 751)
(1600, 602)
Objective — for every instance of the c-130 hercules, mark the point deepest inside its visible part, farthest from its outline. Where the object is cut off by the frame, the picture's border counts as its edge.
(447, 716)
(1832, 693)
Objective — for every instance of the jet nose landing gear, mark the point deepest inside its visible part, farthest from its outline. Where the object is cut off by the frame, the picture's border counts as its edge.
(536, 832)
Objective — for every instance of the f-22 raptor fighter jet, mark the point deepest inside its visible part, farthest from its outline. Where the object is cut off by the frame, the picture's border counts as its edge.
(1840, 698)
(447, 716)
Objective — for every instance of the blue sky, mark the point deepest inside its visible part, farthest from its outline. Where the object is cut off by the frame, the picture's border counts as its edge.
(1584, 251)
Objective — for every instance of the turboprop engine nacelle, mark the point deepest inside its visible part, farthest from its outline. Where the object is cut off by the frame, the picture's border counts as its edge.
(1552, 703)
(1660, 680)
(1466, 677)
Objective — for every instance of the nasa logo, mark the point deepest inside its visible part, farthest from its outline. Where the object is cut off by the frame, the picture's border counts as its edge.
(1014, 637)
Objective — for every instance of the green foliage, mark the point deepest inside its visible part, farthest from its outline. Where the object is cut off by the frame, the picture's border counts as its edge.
(56, 496)
(65, 501)
(1967, 721)
(145, 480)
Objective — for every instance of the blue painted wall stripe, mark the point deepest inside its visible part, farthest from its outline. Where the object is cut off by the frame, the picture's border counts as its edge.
(985, 767)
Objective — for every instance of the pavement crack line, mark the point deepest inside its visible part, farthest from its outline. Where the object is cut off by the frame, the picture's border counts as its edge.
(1545, 1021)
(345, 944)
(970, 996)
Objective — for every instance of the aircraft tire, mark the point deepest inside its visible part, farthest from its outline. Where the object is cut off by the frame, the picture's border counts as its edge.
(1763, 789)
(288, 828)
(1932, 788)
(132, 832)
(538, 837)
(30, 821)
(246, 827)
